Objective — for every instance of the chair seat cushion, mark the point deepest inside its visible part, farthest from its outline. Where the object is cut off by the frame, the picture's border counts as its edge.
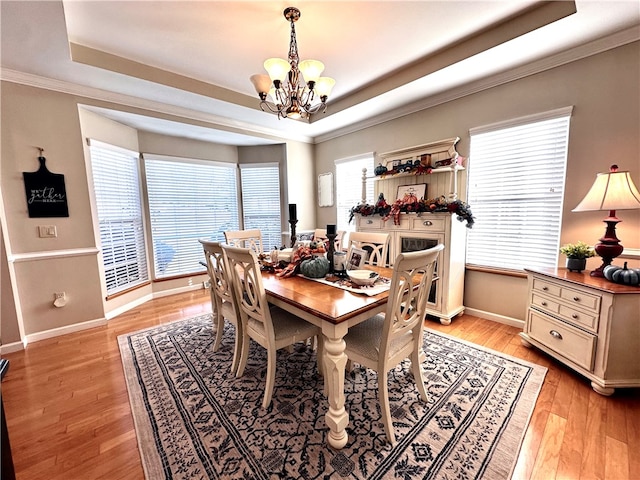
(364, 339)
(286, 325)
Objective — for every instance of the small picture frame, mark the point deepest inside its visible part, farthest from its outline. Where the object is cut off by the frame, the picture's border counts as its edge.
(419, 190)
(357, 258)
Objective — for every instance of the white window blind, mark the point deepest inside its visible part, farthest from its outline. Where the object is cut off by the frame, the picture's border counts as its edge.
(116, 183)
(188, 200)
(516, 185)
(349, 186)
(260, 185)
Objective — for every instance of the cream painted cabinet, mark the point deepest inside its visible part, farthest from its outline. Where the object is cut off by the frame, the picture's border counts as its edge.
(420, 231)
(588, 323)
(417, 231)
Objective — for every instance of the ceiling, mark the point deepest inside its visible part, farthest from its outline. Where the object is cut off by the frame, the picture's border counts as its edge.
(183, 67)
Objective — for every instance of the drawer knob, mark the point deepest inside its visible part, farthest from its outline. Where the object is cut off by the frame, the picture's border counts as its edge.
(555, 334)
(574, 316)
(369, 222)
(545, 288)
(544, 304)
(427, 223)
(576, 299)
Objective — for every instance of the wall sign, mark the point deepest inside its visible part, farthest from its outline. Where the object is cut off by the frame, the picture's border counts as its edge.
(46, 193)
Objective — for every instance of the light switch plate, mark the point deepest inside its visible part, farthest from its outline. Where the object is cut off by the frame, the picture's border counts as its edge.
(47, 231)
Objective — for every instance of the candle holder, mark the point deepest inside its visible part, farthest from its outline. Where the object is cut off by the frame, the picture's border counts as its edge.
(331, 238)
(293, 232)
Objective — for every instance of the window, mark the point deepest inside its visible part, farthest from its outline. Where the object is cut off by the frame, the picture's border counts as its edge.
(516, 187)
(349, 186)
(261, 201)
(188, 200)
(116, 185)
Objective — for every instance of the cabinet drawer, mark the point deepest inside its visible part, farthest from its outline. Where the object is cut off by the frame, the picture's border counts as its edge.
(546, 287)
(370, 223)
(570, 342)
(587, 320)
(545, 304)
(581, 299)
(424, 223)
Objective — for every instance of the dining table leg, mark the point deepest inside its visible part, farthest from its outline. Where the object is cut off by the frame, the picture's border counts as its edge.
(335, 361)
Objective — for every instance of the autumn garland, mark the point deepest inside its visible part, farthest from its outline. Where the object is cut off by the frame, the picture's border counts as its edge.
(410, 204)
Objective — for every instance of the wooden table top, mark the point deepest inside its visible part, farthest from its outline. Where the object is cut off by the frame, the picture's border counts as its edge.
(328, 303)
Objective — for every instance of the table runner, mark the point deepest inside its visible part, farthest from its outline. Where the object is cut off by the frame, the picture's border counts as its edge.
(382, 284)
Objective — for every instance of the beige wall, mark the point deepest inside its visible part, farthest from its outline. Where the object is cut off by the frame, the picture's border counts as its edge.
(9, 331)
(302, 183)
(42, 266)
(605, 128)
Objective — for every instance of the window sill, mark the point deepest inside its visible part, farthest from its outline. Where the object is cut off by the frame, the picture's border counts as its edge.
(496, 271)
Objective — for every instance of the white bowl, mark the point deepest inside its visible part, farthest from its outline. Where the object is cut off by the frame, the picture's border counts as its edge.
(362, 277)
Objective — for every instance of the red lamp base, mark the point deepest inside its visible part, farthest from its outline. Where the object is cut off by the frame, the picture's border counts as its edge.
(609, 246)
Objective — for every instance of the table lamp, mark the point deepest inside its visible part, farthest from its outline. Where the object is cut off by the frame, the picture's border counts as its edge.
(611, 191)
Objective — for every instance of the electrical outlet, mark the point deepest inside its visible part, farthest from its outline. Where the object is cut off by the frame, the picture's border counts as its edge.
(59, 295)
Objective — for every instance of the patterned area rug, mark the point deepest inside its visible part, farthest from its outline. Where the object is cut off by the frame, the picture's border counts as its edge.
(194, 420)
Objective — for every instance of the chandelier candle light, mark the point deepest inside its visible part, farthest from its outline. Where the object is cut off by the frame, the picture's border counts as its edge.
(295, 88)
(611, 191)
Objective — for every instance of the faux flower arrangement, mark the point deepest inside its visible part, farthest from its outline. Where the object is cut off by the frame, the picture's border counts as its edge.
(410, 204)
(577, 250)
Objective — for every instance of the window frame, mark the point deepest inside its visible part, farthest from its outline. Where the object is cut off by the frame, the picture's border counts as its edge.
(103, 207)
(269, 235)
(197, 201)
(342, 177)
(534, 242)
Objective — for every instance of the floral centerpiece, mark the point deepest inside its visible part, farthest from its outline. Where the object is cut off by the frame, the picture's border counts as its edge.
(410, 204)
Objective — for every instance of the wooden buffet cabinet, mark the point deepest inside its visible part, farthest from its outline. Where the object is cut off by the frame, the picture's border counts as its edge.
(417, 231)
(588, 323)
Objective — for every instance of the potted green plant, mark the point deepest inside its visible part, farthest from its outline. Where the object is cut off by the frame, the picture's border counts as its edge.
(577, 254)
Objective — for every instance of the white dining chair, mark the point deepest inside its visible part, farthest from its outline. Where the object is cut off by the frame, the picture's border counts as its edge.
(320, 234)
(376, 244)
(382, 342)
(245, 239)
(268, 325)
(223, 299)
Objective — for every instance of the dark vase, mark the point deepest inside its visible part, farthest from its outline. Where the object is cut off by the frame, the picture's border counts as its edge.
(576, 264)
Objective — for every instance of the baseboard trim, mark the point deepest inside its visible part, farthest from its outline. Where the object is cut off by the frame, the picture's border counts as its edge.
(514, 322)
(128, 306)
(11, 347)
(165, 293)
(56, 332)
(174, 291)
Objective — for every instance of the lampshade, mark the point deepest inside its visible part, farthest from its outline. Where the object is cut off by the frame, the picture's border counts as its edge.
(613, 190)
(262, 83)
(311, 70)
(277, 68)
(324, 86)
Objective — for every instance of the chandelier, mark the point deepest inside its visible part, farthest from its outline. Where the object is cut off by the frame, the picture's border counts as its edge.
(295, 89)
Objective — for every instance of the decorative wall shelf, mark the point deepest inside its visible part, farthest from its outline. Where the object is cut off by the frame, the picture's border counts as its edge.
(432, 158)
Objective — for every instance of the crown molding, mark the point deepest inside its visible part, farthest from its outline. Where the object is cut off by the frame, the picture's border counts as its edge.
(214, 121)
(618, 39)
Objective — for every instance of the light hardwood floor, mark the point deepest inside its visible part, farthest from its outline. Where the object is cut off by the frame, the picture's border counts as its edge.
(69, 418)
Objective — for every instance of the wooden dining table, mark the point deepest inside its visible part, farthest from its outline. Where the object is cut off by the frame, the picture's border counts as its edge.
(335, 310)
